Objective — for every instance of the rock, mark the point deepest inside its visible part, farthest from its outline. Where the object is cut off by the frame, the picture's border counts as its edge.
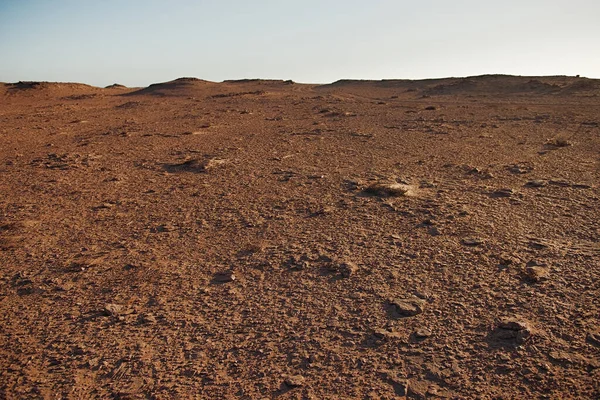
(537, 273)
(348, 269)
(147, 319)
(593, 338)
(520, 168)
(112, 309)
(581, 186)
(558, 142)
(536, 183)
(505, 192)
(417, 389)
(483, 174)
(434, 231)
(224, 277)
(298, 263)
(422, 333)
(387, 189)
(295, 381)
(513, 329)
(168, 227)
(407, 307)
(381, 335)
(559, 182)
(473, 241)
(508, 259)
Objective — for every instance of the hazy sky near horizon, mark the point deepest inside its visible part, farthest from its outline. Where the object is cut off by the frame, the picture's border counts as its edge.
(139, 42)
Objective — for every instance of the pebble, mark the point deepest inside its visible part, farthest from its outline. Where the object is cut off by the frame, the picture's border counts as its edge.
(112, 309)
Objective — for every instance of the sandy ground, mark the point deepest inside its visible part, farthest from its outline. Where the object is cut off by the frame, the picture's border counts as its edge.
(272, 240)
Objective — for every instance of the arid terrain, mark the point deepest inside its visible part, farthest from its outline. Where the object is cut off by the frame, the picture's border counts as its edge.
(264, 239)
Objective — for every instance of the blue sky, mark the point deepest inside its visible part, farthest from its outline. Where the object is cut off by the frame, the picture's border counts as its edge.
(139, 42)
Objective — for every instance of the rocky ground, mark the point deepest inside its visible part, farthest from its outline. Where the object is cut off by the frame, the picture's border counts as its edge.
(266, 239)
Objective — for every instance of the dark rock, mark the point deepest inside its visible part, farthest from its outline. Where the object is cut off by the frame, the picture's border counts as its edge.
(348, 268)
(536, 183)
(505, 192)
(224, 277)
(593, 338)
(514, 330)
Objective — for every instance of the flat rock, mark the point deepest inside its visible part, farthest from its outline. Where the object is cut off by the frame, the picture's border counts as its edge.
(472, 241)
(388, 189)
(536, 183)
(295, 381)
(422, 333)
(407, 307)
(515, 330)
(505, 192)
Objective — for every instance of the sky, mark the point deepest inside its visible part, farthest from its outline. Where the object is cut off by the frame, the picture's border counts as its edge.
(139, 42)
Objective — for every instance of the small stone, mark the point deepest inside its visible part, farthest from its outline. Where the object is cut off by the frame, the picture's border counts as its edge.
(537, 273)
(472, 241)
(536, 183)
(434, 231)
(558, 142)
(348, 269)
(507, 259)
(407, 307)
(388, 189)
(112, 309)
(224, 277)
(520, 169)
(295, 381)
(513, 324)
(505, 192)
(515, 330)
(147, 318)
(422, 333)
(581, 186)
(593, 338)
(417, 390)
(164, 228)
(559, 182)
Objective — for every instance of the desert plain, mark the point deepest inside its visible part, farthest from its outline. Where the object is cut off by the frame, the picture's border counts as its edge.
(264, 239)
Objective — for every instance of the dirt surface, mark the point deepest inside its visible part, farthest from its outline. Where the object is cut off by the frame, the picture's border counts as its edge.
(266, 239)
